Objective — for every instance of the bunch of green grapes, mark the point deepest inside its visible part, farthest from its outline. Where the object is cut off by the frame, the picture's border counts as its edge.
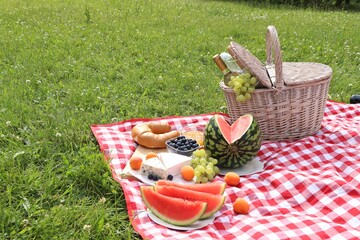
(204, 166)
(243, 85)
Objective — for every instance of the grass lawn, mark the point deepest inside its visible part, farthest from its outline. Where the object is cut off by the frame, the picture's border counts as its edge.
(65, 65)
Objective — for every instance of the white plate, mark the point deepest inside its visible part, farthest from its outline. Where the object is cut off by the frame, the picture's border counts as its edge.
(251, 167)
(195, 225)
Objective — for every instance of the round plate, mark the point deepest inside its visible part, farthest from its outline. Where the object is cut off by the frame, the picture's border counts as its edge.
(251, 167)
(195, 225)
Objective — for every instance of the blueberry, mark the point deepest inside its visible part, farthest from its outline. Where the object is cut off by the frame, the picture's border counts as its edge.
(155, 178)
(170, 177)
(150, 176)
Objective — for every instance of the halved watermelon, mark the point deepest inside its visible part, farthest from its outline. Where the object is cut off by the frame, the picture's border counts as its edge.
(232, 145)
(214, 202)
(213, 188)
(172, 210)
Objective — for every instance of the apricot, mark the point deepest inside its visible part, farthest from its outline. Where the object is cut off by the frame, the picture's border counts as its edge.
(135, 162)
(187, 172)
(151, 155)
(241, 206)
(232, 179)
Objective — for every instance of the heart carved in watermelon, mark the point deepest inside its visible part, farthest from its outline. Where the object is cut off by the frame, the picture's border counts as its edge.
(173, 210)
(232, 145)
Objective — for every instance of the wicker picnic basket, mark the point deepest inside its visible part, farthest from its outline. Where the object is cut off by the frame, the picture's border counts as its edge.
(291, 99)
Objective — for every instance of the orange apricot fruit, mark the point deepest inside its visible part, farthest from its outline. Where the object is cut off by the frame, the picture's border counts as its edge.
(151, 155)
(187, 172)
(241, 206)
(232, 179)
(135, 162)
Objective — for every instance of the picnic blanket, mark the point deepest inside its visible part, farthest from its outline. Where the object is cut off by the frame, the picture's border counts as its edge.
(308, 189)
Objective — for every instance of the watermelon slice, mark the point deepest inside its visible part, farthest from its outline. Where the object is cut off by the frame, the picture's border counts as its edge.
(175, 211)
(214, 202)
(213, 188)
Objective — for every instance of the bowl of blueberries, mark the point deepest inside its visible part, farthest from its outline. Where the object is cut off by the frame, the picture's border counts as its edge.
(182, 145)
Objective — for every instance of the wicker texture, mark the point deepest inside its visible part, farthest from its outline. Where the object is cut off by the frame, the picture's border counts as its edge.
(249, 62)
(294, 107)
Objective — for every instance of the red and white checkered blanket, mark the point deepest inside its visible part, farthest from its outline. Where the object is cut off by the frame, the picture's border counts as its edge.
(309, 189)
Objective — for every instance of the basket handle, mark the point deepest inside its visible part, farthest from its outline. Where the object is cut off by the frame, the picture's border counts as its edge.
(273, 44)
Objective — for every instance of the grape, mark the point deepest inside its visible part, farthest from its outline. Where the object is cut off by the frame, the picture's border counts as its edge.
(203, 160)
(241, 98)
(201, 168)
(204, 180)
(240, 80)
(209, 170)
(231, 83)
(237, 84)
(250, 89)
(195, 161)
(247, 75)
(201, 152)
(253, 80)
(213, 160)
(204, 166)
(243, 86)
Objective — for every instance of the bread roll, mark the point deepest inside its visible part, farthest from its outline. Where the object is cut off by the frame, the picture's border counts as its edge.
(153, 134)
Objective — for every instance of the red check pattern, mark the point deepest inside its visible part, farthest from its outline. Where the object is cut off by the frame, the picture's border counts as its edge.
(309, 189)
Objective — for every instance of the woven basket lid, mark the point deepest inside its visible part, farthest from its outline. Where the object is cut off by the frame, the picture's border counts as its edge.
(249, 62)
(302, 73)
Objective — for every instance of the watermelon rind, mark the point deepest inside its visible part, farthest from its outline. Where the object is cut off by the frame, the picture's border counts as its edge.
(232, 154)
(172, 210)
(210, 187)
(214, 202)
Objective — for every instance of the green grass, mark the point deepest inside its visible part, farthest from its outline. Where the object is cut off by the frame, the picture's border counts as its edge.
(65, 65)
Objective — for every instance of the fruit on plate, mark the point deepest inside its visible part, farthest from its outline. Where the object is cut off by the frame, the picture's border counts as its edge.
(204, 166)
(187, 172)
(232, 145)
(232, 178)
(153, 134)
(175, 211)
(214, 202)
(151, 155)
(213, 187)
(135, 162)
